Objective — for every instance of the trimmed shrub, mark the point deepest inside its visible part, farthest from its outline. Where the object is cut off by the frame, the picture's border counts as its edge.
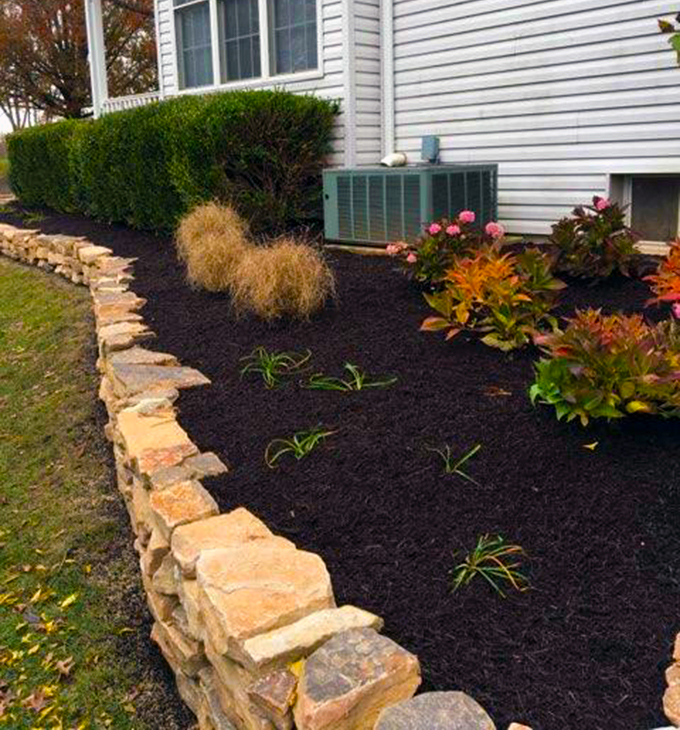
(261, 151)
(287, 278)
(211, 241)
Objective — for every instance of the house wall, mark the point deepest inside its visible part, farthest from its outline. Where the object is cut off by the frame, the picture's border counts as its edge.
(350, 73)
(561, 93)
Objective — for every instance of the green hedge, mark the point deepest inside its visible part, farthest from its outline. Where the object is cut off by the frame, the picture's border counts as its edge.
(261, 150)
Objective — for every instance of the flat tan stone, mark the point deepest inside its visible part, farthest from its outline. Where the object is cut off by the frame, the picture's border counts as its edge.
(676, 649)
(179, 650)
(233, 528)
(300, 639)
(141, 433)
(156, 550)
(89, 254)
(152, 460)
(518, 726)
(256, 587)
(165, 579)
(180, 504)
(353, 677)
(161, 607)
(188, 596)
(274, 696)
(141, 356)
(671, 704)
(122, 335)
(142, 522)
(130, 379)
(673, 674)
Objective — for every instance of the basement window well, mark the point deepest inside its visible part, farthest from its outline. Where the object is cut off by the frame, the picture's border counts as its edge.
(654, 204)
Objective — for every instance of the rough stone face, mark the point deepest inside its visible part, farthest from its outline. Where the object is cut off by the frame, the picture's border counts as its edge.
(179, 650)
(232, 691)
(89, 254)
(166, 477)
(215, 715)
(122, 335)
(347, 682)
(190, 692)
(676, 649)
(292, 642)
(180, 504)
(671, 704)
(141, 356)
(147, 434)
(157, 549)
(131, 379)
(161, 607)
(517, 726)
(274, 696)
(437, 711)
(188, 595)
(206, 465)
(673, 674)
(164, 579)
(257, 586)
(151, 460)
(234, 528)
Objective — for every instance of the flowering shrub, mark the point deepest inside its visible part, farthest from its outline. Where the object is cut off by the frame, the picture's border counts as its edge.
(595, 242)
(428, 259)
(508, 297)
(608, 367)
(666, 282)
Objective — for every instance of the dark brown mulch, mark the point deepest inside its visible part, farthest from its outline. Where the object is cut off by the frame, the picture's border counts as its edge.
(587, 646)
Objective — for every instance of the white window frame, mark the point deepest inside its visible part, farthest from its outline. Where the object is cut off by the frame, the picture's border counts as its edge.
(267, 78)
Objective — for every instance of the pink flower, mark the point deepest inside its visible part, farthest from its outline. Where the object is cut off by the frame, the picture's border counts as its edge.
(495, 230)
(676, 310)
(467, 216)
(453, 230)
(412, 258)
(434, 229)
(602, 204)
(392, 249)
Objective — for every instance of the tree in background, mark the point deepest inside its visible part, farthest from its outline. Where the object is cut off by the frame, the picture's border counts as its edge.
(43, 54)
(674, 32)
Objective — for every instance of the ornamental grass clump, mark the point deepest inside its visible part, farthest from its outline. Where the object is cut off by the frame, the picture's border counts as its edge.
(284, 279)
(211, 241)
(504, 296)
(429, 258)
(496, 562)
(595, 241)
(609, 366)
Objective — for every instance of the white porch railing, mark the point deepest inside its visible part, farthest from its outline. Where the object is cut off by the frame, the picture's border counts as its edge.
(129, 102)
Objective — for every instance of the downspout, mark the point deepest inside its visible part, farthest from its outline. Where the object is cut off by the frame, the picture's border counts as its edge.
(350, 96)
(387, 74)
(159, 64)
(96, 54)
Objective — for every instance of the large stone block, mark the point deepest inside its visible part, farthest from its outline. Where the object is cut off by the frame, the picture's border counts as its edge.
(436, 711)
(233, 528)
(256, 587)
(273, 696)
(130, 379)
(295, 641)
(141, 356)
(180, 504)
(215, 717)
(157, 549)
(347, 682)
(165, 580)
(89, 254)
(188, 596)
(671, 704)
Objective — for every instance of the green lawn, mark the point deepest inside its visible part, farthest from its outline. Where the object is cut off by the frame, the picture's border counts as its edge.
(4, 171)
(70, 634)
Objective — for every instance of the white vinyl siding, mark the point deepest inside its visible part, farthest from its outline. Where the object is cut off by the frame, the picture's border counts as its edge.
(327, 82)
(367, 85)
(560, 93)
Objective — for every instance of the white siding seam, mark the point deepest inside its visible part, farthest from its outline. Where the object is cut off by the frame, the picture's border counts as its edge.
(387, 83)
(350, 100)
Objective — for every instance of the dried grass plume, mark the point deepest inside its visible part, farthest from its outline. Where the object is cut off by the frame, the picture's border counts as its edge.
(211, 241)
(286, 278)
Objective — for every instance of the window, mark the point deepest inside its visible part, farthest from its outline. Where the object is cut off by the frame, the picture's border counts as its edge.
(654, 209)
(293, 35)
(194, 45)
(223, 41)
(239, 24)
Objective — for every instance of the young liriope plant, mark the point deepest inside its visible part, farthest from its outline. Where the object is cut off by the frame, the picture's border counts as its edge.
(300, 445)
(274, 366)
(496, 562)
(357, 380)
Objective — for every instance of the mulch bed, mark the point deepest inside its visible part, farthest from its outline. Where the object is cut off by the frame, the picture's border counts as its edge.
(587, 645)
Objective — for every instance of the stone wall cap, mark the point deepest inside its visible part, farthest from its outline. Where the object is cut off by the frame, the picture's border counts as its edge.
(180, 504)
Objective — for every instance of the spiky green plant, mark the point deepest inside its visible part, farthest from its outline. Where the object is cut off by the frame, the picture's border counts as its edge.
(300, 445)
(357, 380)
(494, 560)
(454, 465)
(273, 366)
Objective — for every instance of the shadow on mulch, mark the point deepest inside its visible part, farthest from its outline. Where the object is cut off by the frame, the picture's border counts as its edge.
(587, 645)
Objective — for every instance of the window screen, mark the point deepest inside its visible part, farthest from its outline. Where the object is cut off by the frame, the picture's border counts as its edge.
(194, 48)
(293, 35)
(654, 212)
(239, 24)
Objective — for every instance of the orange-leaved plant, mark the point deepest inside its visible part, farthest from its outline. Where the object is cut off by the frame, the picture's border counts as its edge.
(609, 366)
(505, 296)
(666, 282)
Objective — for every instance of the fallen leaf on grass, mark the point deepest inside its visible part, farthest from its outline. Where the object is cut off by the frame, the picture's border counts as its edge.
(64, 667)
(69, 601)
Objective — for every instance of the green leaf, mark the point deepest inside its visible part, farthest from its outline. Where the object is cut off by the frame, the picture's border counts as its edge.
(434, 324)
